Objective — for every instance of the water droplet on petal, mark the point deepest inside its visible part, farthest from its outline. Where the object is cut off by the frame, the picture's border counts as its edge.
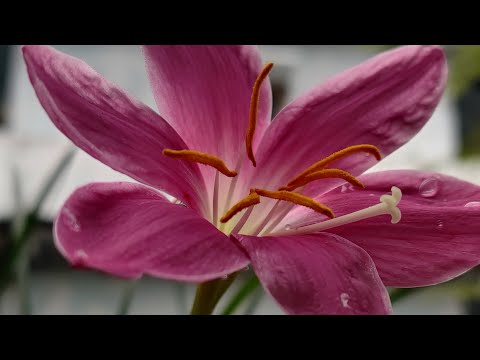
(71, 220)
(344, 297)
(224, 277)
(440, 224)
(288, 227)
(246, 268)
(473, 204)
(429, 187)
(346, 188)
(79, 259)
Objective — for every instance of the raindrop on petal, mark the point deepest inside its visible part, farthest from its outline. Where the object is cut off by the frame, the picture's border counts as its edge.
(71, 220)
(473, 204)
(429, 188)
(344, 297)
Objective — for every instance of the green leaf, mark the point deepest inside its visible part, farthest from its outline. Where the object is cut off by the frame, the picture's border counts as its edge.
(241, 295)
(21, 236)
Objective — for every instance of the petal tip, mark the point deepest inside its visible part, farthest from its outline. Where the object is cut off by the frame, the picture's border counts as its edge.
(30, 51)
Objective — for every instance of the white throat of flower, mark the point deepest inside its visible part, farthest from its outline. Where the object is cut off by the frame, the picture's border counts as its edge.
(388, 205)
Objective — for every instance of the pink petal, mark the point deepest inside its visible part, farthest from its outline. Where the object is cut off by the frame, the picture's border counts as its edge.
(384, 102)
(438, 237)
(317, 274)
(204, 93)
(109, 125)
(128, 230)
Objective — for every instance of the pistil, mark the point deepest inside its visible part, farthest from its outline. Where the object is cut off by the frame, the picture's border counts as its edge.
(388, 205)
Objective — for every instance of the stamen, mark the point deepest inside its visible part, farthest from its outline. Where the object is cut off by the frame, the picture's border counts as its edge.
(323, 174)
(266, 219)
(233, 184)
(215, 199)
(278, 215)
(250, 200)
(252, 120)
(287, 207)
(371, 149)
(388, 205)
(202, 158)
(242, 221)
(297, 199)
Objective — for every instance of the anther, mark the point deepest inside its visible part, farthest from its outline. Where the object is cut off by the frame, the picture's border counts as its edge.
(250, 200)
(297, 199)
(323, 174)
(202, 158)
(320, 165)
(252, 119)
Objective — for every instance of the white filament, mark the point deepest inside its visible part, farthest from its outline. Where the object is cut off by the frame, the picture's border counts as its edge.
(215, 200)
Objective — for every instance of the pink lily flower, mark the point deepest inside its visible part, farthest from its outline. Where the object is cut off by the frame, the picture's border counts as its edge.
(248, 191)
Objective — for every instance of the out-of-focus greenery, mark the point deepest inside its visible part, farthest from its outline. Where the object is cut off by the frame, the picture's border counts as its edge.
(463, 65)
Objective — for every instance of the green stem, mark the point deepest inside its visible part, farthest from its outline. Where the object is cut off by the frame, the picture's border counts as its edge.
(248, 287)
(127, 298)
(254, 301)
(209, 294)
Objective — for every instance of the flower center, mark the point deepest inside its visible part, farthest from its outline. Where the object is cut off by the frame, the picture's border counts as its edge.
(290, 194)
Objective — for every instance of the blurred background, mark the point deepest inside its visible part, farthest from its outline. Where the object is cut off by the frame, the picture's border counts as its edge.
(32, 150)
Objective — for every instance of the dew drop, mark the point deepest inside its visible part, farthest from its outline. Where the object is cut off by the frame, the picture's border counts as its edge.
(224, 277)
(246, 268)
(344, 297)
(347, 188)
(429, 188)
(79, 259)
(473, 204)
(440, 224)
(71, 220)
(288, 227)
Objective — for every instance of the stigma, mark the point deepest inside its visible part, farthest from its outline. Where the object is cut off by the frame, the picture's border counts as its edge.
(387, 206)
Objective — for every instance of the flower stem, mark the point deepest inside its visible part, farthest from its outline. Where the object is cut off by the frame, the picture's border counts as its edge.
(242, 294)
(209, 294)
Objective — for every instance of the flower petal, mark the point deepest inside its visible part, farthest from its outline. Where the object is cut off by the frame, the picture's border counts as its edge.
(204, 93)
(317, 274)
(384, 102)
(128, 230)
(438, 237)
(109, 125)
